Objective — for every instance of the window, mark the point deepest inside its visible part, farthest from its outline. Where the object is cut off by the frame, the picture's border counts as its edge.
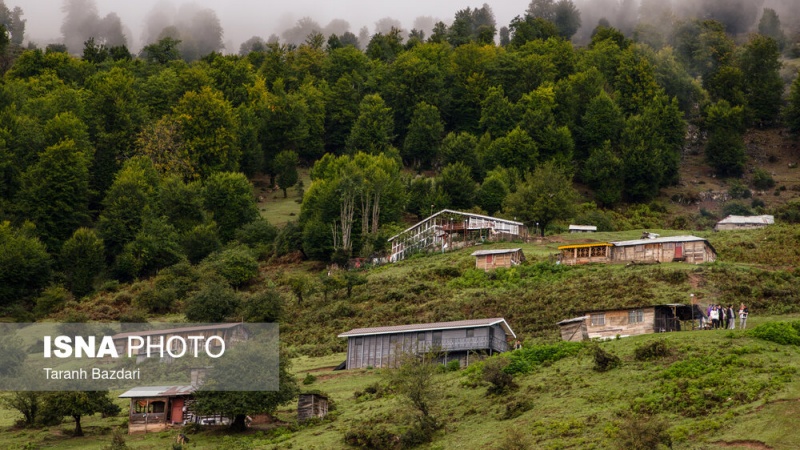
(470, 332)
(437, 338)
(584, 252)
(635, 316)
(598, 251)
(598, 319)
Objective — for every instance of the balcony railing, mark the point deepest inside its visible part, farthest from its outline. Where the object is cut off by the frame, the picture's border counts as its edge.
(462, 344)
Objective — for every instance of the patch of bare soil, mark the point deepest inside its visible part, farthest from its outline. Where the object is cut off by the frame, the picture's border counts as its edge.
(756, 445)
(772, 150)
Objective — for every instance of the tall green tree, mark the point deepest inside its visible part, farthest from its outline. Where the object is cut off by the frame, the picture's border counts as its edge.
(77, 404)
(497, 113)
(792, 112)
(82, 259)
(229, 198)
(373, 130)
(424, 137)
(601, 171)
(128, 199)
(516, 149)
(55, 192)
(725, 150)
(546, 195)
(286, 169)
(208, 127)
(24, 263)
(760, 64)
(456, 181)
(770, 26)
(603, 121)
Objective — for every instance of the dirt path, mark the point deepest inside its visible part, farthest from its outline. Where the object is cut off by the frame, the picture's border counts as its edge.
(756, 445)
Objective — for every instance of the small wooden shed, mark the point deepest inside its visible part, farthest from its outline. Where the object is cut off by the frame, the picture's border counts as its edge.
(744, 222)
(312, 405)
(609, 323)
(154, 408)
(492, 259)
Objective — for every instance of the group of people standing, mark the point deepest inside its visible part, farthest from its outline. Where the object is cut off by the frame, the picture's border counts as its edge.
(722, 317)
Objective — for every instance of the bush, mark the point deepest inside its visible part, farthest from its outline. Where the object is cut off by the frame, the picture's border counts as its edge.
(642, 432)
(739, 190)
(603, 360)
(258, 235)
(736, 209)
(525, 359)
(264, 306)
(156, 301)
(370, 435)
(762, 180)
(516, 408)
(236, 264)
(784, 333)
(309, 379)
(653, 350)
(514, 439)
(494, 372)
(51, 300)
(212, 303)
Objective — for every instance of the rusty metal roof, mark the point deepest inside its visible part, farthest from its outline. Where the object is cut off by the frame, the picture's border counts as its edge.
(158, 391)
(434, 326)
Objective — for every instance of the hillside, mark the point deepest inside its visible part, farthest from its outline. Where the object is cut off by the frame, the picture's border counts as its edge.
(732, 383)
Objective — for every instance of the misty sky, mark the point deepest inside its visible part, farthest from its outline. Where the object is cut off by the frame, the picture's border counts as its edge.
(242, 19)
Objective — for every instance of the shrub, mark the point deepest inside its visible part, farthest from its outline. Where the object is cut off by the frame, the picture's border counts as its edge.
(603, 360)
(514, 439)
(525, 359)
(309, 379)
(258, 235)
(494, 372)
(264, 306)
(212, 303)
(762, 180)
(757, 203)
(736, 209)
(784, 333)
(642, 432)
(157, 301)
(117, 442)
(51, 300)
(516, 408)
(236, 264)
(653, 350)
(739, 190)
(369, 435)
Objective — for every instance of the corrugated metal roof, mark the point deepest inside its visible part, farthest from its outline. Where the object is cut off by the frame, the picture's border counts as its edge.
(575, 319)
(472, 323)
(660, 240)
(593, 244)
(481, 216)
(498, 251)
(760, 220)
(583, 227)
(220, 326)
(158, 391)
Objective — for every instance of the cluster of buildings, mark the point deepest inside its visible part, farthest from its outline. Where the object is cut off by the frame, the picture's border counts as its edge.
(157, 407)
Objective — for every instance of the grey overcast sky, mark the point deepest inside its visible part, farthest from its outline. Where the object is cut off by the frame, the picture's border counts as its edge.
(242, 19)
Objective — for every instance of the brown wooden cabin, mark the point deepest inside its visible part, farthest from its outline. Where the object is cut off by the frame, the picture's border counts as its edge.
(690, 249)
(383, 346)
(229, 332)
(744, 222)
(311, 405)
(492, 259)
(606, 324)
(155, 408)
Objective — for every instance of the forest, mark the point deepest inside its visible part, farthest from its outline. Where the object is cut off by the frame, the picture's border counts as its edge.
(116, 166)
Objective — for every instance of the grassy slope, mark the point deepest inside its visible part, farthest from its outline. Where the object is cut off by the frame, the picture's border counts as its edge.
(565, 395)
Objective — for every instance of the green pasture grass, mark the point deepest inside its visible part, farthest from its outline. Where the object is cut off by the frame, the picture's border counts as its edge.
(278, 210)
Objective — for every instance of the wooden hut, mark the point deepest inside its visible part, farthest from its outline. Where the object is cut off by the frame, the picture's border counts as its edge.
(690, 249)
(383, 346)
(155, 408)
(609, 323)
(574, 329)
(744, 222)
(312, 405)
(492, 259)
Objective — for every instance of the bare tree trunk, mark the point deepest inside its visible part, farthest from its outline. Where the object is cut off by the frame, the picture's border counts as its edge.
(346, 215)
(376, 211)
(335, 232)
(365, 213)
